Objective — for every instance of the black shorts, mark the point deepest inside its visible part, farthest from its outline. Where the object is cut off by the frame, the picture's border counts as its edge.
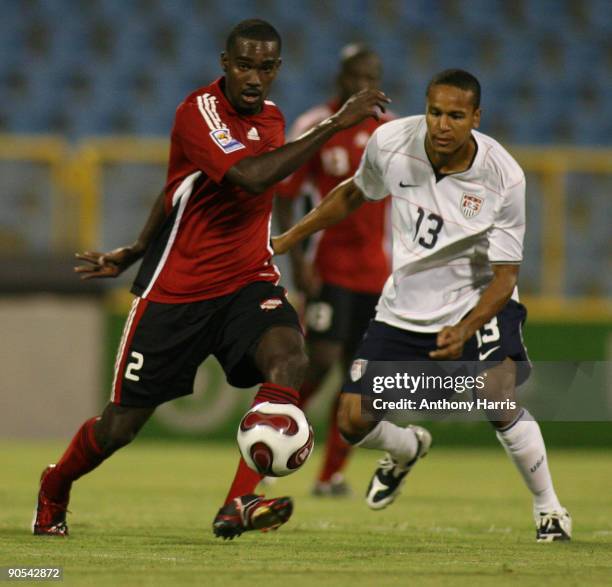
(501, 337)
(163, 344)
(340, 314)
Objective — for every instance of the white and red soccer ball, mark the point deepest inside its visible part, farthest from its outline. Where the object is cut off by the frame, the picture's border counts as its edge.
(275, 439)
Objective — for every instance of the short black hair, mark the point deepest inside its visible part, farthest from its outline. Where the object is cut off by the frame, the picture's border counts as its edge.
(255, 29)
(458, 78)
(354, 51)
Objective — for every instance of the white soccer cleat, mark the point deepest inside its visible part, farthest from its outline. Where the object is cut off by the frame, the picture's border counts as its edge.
(553, 526)
(388, 479)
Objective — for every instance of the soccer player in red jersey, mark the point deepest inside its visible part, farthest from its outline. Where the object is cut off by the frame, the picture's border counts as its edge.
(206, 275)
(350, 265)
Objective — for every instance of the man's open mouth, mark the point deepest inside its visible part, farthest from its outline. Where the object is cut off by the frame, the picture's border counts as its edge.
(251, 96)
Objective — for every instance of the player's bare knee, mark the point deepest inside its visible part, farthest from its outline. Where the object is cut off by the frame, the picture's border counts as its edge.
(287, 367)
(117, 439)
(351, 423)
(116, 436)
(280, 356)
(502, 405)
(118, 426)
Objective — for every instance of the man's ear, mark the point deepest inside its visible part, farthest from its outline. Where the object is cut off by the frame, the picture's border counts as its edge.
(476, 118)
(224, 61)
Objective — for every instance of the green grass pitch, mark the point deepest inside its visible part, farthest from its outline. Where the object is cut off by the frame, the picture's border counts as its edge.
(144, 518)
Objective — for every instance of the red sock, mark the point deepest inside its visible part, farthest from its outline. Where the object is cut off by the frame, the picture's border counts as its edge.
(336, 449)
(245, 479)
(82, 456)
(277, 394)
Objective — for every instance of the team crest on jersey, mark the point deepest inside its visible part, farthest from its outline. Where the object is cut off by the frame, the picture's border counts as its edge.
(225, 141)
(271, 304)
(358, 368)
(471, 205)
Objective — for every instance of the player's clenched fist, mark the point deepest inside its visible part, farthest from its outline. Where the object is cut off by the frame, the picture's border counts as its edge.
(450, 341)
(360, 106)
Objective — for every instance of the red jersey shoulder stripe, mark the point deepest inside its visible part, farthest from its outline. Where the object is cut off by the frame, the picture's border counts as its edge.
(207, 105)
(210, 104)
(205, 114)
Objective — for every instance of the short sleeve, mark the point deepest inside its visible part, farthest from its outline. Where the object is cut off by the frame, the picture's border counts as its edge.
(508, 231)
(368, 177)
(211, 149)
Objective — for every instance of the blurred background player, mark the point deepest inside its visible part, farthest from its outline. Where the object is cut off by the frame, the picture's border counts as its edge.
(459, 200)
(342, 280)
(206, 279)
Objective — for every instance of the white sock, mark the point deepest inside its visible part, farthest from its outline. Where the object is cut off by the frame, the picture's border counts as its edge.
(400, 443)
(524, 444)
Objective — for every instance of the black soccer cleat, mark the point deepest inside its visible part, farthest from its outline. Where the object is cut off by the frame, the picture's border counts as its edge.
(49, 516)
(251, 512)
(553, 526)
(388, 479)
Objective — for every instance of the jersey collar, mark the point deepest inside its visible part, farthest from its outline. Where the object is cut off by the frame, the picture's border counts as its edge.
(217, 87)
(439, 176)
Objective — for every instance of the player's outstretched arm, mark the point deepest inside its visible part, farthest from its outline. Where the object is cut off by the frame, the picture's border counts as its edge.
(257, 174)
(451, 339)
(115, 262)
(341, 201)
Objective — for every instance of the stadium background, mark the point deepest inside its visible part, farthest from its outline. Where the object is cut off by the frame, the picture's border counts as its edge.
(87, 96)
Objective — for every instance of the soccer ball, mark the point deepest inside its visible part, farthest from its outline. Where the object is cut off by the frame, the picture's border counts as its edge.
(275, 439)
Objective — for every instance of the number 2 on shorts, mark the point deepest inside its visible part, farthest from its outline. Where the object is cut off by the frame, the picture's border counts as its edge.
(134, 366)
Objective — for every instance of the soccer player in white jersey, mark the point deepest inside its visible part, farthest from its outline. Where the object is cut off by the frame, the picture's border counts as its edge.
(458, 200)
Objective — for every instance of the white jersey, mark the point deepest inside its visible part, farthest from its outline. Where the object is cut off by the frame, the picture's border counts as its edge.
(446, 233)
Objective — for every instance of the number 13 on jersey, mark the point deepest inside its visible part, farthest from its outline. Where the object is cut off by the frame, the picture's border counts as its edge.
(431, 230)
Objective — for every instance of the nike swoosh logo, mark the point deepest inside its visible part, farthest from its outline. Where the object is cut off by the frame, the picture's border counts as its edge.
(378, 485)
(483, 356)
(408, 185)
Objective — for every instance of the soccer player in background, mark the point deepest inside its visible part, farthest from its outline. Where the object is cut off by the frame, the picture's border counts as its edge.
(350, 265)
(458, 202)
(206, 284)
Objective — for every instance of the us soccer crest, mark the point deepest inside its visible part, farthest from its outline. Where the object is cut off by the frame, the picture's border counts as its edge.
(471, 205)
(358, 368)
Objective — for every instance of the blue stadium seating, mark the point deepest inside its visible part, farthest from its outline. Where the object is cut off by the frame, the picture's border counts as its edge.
(98, 47)
(122, 66)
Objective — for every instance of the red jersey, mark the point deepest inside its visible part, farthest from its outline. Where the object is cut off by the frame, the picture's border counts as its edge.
(350, 254)
(216, 237)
